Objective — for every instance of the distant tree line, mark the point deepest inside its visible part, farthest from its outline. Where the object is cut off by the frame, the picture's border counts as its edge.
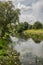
(25, 26)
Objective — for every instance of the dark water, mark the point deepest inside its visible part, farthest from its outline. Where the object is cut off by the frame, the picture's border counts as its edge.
(31, 53)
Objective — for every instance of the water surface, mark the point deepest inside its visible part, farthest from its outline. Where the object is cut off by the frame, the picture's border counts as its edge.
(30, 51)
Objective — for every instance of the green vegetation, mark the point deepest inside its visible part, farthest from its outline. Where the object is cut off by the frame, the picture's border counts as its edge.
(34, 34)
(11, 57)
(37, 25)
(10, 26)
(26, 26)
(21, 27)
(25, 30)
(8, 16)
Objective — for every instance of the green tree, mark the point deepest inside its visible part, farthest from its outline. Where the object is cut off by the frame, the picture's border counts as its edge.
(37, 25)
(21, 27)
(25, 25)
(9, 16)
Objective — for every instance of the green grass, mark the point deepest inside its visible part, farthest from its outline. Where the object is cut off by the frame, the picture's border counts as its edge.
(35, 34)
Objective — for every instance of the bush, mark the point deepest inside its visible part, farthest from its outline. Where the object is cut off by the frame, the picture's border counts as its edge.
(11, 57)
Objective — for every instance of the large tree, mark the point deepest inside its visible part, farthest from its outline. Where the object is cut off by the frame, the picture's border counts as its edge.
(8, 15)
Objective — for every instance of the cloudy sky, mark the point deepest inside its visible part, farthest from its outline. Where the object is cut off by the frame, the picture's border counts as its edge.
(31, 10)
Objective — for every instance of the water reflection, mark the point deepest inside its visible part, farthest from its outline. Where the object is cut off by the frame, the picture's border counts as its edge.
(37, 40)
(31, 53)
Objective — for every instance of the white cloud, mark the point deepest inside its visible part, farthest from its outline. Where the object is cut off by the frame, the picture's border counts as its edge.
(38, 10)
(31, 10)
(23, 7)
(20, 0)
(28, 18)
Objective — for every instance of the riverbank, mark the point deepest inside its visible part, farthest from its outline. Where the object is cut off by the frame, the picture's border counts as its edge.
(34, 34)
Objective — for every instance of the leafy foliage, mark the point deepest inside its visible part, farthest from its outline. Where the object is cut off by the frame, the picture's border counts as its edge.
(11, 57)
(37, 25)
(8, 15)
(25, 26)
(21, 27)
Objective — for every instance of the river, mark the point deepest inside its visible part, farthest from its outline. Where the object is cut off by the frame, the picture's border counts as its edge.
(31, 53)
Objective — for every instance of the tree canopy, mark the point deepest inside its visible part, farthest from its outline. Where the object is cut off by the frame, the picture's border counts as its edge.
(37, 25)
(8, 15)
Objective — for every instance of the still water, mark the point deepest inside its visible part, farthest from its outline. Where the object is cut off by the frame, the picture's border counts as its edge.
(31, 53)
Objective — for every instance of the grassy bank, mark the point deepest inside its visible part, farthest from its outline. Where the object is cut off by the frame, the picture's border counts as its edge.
(35, 34)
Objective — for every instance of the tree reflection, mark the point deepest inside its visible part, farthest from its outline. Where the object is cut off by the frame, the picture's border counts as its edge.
(37, 40)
